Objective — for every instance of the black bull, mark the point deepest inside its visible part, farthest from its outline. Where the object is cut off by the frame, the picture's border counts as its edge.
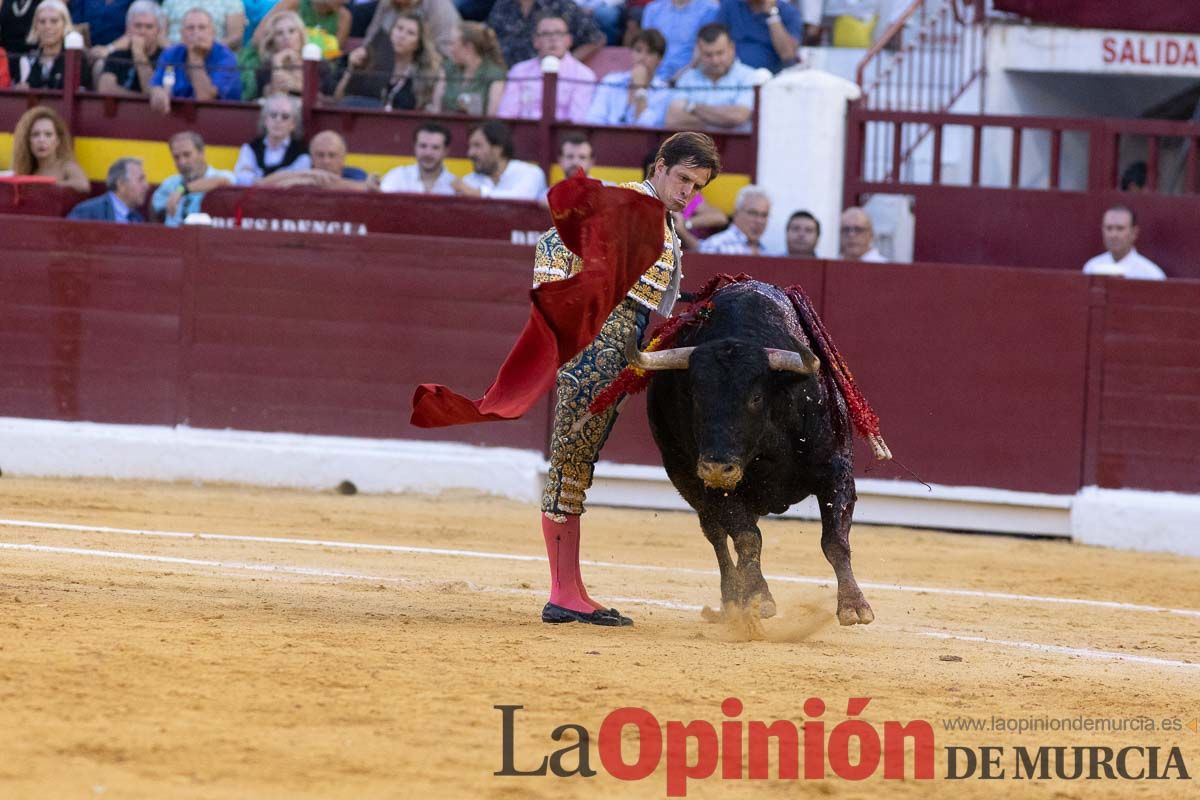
(747, 427)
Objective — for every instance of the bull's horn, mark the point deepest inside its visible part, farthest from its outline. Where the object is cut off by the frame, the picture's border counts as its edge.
(803, 362)
(656, 360)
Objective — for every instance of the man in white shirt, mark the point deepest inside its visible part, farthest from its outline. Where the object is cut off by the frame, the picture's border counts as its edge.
(497, 174)
(743, 237)
(858, 237)
(429, 175)
(1120, 231)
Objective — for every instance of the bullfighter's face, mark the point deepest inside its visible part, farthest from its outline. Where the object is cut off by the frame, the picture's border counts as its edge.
(677, 186)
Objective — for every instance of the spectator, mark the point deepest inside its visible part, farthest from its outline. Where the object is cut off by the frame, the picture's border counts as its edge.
(475, 72)
(278, 146)
(429, 175)
(858, 236)
(638, 96)
(256, 12)
(276, 64)
(522, 97)
(765, 33)
(16, 23)
(405, 74)
(126, 193)
(803, 232)
(678, 21)
(5, 78)
(607, 16)
(44, 66)
(129, 71)
(330, 16)
(440, 17)
(200, 67)
(515, 22)
(183, 193)
(228, 19)
(1134, 178)
(719, 92)
(42, 146)
(1120, 231)
(327, 150)
(497, 174)
(575, 153)
(105, 19)
(474, 10)
(743, 237)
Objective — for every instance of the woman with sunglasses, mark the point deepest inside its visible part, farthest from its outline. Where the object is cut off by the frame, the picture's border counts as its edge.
(279, 146)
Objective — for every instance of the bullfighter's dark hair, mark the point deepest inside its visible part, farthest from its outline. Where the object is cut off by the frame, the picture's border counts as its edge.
(498, 135)
(691, 149)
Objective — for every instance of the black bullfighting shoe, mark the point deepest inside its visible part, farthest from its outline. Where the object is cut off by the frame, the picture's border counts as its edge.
(612, 612)
(556, 614)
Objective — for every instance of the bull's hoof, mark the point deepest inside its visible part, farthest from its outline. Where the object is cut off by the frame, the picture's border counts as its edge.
(857, 613)
(766, 607)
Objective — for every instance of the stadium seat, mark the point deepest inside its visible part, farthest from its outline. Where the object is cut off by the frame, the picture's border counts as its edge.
(610, 59)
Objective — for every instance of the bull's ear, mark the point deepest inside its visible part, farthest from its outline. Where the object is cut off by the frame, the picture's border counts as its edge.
(802, 361)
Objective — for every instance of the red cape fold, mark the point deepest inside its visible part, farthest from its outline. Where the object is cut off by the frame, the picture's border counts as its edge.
(619, 234)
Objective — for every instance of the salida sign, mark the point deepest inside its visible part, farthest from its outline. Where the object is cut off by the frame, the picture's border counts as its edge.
(1149, 51)
(632, 745)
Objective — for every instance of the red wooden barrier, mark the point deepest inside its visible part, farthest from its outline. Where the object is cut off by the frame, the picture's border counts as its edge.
(983, 376)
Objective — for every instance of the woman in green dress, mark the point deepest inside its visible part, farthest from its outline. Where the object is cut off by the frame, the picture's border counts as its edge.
(475, 74)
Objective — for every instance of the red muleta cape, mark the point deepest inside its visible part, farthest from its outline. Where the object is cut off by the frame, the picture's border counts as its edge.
(619, 234)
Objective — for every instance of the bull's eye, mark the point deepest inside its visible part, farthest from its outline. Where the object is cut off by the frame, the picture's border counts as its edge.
(756, 402)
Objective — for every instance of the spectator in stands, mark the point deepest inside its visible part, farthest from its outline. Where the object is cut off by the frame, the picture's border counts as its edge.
(256, 12)
(276, 64)
(678, 21)
(429, 175)
(475, 72)
(637, 96)
(126, 193)
(751, 210)
(497, 174)
(515, 23)
(765, 33)
(181, 194)
(405, 74)
(1120, 231)
(330, 16)
(327, 150)
(607, 16)
(1134, 178)
(200, 67)
(5, 78)
(440, 18)
(228, 19)
(474, 10)
(16, 23)
(129, 71)
(105, 20)
(45, 65)
(575, 153)
(719, 92)
(802, 233)
(278, 146)
(522, 97)
(42, 146)
(858, 237)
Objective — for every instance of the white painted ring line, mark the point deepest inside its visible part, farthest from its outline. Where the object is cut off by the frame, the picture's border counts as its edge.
(315, 572)
(800, 579)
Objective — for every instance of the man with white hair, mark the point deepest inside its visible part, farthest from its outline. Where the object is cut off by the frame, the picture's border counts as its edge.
(743, 237)
(129, 71)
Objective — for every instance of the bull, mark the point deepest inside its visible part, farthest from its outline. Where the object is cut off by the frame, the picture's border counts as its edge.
(747, 427)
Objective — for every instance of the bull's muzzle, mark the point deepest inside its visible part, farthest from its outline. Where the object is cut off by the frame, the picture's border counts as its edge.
(719, 474)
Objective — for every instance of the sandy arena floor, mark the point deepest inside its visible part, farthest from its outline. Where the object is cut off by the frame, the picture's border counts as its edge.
(243, 668)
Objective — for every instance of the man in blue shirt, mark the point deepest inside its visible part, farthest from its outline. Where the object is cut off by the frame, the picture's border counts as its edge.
(182, 194)
(126, 193)
(105, 18)
(636, 96)
(200, 67)
(765, 33)
(678, 21)
(718, 93)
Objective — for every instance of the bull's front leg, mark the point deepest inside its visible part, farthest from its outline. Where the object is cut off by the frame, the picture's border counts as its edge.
(753, 586)
(837, 512)
(716, 534)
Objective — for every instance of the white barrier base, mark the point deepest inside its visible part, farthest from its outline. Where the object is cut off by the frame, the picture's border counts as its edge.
(1155, 521)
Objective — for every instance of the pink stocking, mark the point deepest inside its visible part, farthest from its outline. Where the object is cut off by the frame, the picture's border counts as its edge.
(562, 550)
